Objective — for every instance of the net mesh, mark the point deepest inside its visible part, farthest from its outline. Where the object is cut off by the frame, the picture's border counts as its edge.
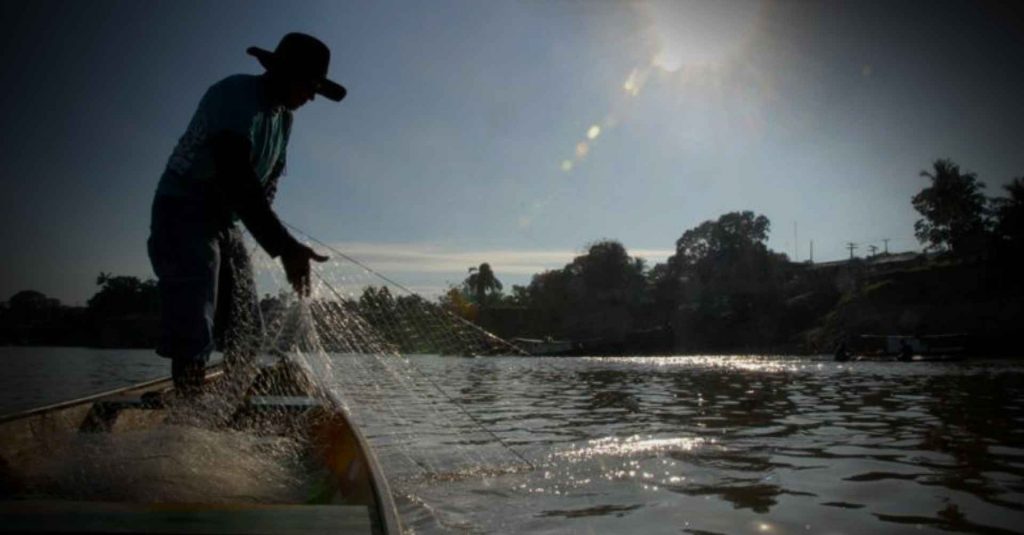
(358, 336)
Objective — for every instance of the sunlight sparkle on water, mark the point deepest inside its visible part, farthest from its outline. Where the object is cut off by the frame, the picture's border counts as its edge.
(751, 363)
(634, 445)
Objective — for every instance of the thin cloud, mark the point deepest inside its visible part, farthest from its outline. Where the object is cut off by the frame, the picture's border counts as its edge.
(430, 258)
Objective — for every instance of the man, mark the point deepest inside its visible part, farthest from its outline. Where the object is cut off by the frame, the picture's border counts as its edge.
(224, 168)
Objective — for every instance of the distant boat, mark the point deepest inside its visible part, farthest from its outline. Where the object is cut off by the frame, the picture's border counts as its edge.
(911, 348)
(652, 341)
(544, 347)
(355, 497)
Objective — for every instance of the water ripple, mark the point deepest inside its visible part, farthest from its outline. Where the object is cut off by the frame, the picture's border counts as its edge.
(707, 445)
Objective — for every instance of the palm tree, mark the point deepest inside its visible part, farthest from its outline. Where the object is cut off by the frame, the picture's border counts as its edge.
(1009, 212)
(954, 209)
(482, 281)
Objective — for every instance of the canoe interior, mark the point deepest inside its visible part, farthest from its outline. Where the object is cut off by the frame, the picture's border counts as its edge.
(349, 494)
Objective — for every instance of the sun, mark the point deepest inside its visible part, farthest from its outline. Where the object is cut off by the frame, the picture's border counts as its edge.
(692, 33)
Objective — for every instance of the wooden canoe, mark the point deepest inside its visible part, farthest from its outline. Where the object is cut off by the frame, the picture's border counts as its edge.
(353, 498)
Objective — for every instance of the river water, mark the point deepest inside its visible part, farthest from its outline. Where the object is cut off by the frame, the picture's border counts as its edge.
(38, 376)
(693, 445)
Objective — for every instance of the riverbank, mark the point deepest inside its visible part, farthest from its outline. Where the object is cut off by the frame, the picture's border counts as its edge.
(979, 302)
(814, 307)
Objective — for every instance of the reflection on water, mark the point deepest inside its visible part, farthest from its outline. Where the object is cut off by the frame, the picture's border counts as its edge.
(708, 445)
(641, 444)
(38, 376)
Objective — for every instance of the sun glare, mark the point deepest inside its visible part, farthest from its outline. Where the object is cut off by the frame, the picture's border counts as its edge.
(688, 39)
(696, 33)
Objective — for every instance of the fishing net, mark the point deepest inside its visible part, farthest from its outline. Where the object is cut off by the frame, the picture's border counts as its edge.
(353, 344)
(358, 338)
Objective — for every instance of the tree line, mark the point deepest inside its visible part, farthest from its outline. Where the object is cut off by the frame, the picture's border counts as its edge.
(723, 289)
(122, 313)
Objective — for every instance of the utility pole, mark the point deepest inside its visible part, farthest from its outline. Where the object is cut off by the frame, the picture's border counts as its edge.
(886, 242)
(851, 246)
(812, 251)
(796, 244)
(872, 249)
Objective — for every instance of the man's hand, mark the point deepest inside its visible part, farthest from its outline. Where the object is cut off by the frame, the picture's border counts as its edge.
(296, 267)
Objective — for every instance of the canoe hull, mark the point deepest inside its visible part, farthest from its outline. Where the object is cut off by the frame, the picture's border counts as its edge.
(356, 486)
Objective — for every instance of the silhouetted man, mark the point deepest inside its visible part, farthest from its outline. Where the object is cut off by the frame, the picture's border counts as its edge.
(224, 168)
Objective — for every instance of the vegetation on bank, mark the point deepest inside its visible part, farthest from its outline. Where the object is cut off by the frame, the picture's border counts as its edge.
(723, 290)
(124, 312)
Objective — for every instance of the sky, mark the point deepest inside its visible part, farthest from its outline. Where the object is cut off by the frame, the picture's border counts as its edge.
(510, 132)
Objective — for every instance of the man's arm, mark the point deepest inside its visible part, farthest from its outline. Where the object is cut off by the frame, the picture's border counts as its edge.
(270, 187)
(241, 189)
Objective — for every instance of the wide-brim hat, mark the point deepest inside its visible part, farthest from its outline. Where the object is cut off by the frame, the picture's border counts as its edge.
(303, 57)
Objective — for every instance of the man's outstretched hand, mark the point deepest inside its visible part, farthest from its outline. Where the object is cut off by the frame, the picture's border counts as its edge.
(296, 267)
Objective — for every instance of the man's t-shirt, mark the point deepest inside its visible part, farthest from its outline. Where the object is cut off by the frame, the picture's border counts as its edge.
(237, 104)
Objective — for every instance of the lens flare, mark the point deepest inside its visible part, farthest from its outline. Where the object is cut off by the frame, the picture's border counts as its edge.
(688, 41)
(634, 82)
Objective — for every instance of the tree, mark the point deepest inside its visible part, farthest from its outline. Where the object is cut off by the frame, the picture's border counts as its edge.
(597, 295)
(273, 306)
(549, 297)
(607, 274)
(481, 283)
(377, 304)
(30, 306)
(723, 283)
(30, 300)
(520, 296)
(953, 206)
(732, 247)
(123, 295)
(456, 303)
(1009, 213)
